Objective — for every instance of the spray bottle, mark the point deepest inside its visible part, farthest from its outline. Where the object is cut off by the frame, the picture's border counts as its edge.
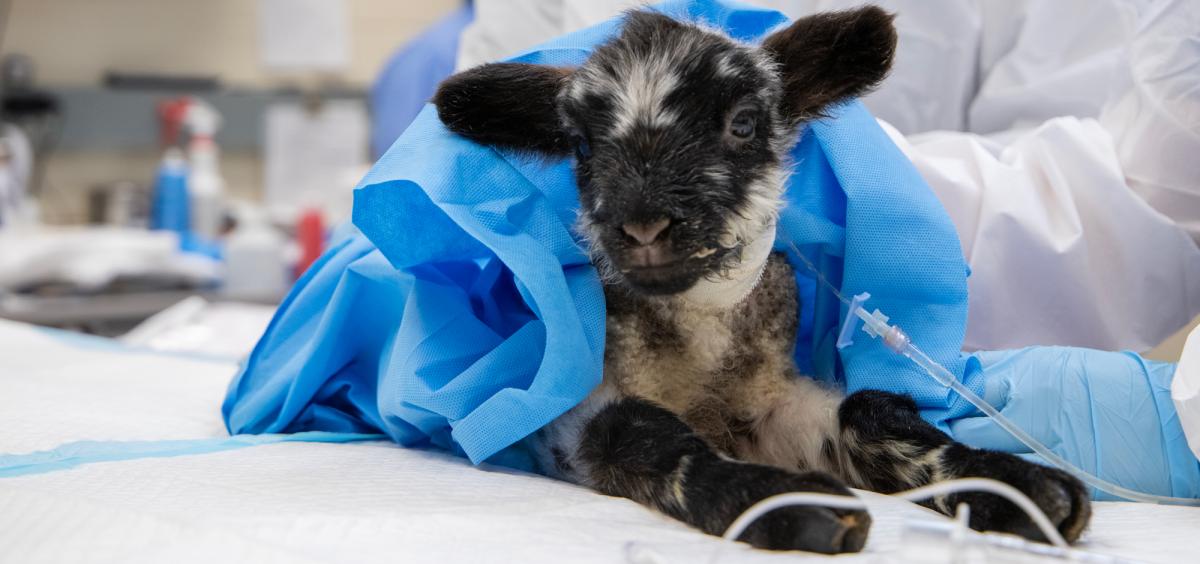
(169, 206)
(205, 184)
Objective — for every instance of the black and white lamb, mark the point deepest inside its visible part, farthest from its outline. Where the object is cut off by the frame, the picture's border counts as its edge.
(680, 137)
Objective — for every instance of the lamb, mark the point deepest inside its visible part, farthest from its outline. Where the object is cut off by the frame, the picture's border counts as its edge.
(680, 137)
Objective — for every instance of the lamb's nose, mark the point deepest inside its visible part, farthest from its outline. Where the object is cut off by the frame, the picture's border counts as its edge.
(646, 233)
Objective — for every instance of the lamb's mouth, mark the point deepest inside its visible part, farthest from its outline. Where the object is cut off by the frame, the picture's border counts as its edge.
(662, 279)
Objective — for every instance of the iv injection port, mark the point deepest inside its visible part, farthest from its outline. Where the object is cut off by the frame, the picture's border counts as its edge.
(896, 339)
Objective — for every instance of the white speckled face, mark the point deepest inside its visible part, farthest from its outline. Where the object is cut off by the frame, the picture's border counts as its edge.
(676, 127)
(680, 134)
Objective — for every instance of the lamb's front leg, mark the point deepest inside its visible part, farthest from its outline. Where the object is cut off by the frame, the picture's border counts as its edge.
(635, 449)
(887, 447)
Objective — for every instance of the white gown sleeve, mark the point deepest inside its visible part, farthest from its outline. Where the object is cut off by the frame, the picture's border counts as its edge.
(1154, 112)
(1061, 251)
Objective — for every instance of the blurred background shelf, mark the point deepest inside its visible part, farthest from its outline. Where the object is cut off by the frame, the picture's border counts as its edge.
(102, 314)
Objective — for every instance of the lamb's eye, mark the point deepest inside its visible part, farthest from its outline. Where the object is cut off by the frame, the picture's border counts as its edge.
(582, 149)
(742, 125)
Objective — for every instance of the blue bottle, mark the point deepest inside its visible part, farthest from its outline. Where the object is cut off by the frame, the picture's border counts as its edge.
(169, 209)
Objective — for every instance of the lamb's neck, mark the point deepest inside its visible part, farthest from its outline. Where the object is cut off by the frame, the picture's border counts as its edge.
(727, 292)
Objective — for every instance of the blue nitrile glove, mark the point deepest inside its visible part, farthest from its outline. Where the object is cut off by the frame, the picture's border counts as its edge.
(1109, 413)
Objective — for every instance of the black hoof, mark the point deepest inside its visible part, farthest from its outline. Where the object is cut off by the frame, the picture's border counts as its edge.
(811, 528)
(1062, 497)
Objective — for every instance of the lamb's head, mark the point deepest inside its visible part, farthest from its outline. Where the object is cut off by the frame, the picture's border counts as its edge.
(680, 134)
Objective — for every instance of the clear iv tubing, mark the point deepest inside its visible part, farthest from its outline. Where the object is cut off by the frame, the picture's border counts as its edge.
(640, 553)
(1011, 548)
(875, 324)
(943, 488)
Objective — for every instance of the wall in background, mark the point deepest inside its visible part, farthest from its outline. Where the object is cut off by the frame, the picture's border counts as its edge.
(1171, 349)
(75, 41)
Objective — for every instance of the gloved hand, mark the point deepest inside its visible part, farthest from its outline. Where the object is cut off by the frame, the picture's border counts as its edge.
(1109, 413)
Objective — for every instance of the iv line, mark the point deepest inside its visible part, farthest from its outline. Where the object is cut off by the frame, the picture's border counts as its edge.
(876, 325)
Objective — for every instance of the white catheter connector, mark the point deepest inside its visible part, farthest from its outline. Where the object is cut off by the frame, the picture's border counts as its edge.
(894, 338)
(876, 325)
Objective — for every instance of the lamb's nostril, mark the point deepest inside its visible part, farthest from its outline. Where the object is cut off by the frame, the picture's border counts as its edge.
(646, 233)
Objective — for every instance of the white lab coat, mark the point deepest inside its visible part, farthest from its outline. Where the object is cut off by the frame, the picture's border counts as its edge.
(1063, 137)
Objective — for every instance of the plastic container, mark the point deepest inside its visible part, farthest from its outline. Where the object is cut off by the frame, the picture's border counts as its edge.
(256, 265)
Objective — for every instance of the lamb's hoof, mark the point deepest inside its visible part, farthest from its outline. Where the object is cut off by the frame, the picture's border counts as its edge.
(811, 528)
(1064, 499)
(1059, 495)
(814, 529)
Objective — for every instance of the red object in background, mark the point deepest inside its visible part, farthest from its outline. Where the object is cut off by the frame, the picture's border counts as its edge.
(170, 118)
(310, 234)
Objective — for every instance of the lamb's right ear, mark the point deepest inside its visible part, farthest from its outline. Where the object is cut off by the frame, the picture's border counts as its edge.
(506, 104)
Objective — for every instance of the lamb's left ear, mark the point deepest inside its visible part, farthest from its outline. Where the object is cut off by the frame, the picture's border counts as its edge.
(829, 57)
(506, 104)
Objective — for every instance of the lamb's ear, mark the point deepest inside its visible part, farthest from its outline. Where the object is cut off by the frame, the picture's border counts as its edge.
(829, 57)
(505, 104)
